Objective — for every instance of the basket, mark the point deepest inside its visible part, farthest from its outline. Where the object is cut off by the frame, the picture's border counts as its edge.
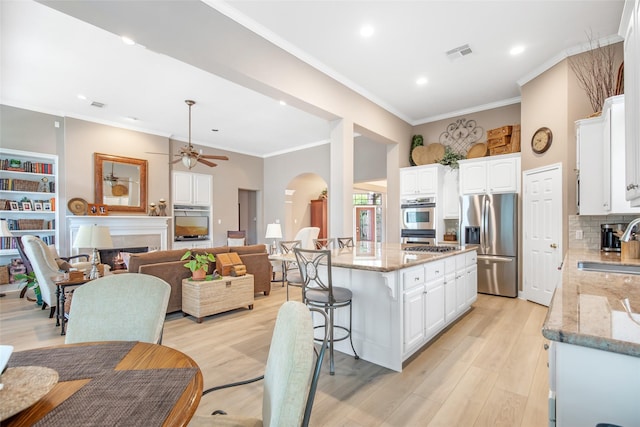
(4, 275)
(25, 185)
(30, 224)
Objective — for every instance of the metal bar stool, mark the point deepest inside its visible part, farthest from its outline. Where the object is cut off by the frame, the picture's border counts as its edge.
(324, 243)
(289, 268)
(345, 242)
(319, 292)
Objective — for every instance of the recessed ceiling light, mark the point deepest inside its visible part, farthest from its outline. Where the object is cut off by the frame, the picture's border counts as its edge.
(131, 118)
(82, 97)
(421, 81)
(283, 102)
(366, 31)
(126, 40)
(516, 50)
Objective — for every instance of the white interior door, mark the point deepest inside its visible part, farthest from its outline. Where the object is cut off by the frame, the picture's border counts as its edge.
(542, 232)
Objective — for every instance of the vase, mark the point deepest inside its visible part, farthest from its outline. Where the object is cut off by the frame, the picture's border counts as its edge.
(199, 274)
(36, 291)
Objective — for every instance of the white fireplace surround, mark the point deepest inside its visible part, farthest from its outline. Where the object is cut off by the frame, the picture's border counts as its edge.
(126, 231)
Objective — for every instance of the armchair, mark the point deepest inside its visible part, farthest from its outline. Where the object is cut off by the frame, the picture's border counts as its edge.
(45, 267)
(236, 238)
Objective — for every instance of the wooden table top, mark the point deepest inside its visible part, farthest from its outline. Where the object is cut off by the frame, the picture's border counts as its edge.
(142, 356)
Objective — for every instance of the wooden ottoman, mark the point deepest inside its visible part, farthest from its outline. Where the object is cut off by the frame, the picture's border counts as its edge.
(207, 297)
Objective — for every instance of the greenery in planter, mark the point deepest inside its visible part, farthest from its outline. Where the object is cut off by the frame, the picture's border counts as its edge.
(32, 282)
(197, 261)
(450, 158)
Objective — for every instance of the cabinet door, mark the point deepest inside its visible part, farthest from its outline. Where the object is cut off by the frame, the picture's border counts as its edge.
(471, 285)
(590, 133)
(408, 181)
(413, 317)
(451, 194)
(434, 307)
(450, 305)
(502, 175)
(202, 189)
(428, 180)
(632, 107)
(473, 177)
(461, 290)
(182, 188)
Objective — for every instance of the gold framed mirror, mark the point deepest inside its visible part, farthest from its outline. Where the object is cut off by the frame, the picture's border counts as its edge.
(120, 183)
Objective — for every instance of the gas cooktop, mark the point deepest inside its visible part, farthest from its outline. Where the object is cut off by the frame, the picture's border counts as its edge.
(430, 248)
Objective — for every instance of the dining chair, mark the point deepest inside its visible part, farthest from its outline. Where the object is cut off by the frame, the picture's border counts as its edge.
(236, 238)
(119, 307)
(318, 292)
(306, 236)
(328, 243)
(345, 242)
(290, 377)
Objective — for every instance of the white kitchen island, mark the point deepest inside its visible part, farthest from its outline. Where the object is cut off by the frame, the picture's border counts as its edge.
(401, 300)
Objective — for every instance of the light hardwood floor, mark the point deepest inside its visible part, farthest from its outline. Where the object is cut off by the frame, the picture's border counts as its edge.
(489, 369)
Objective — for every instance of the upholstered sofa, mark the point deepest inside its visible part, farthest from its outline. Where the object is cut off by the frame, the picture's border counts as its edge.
(167, 266)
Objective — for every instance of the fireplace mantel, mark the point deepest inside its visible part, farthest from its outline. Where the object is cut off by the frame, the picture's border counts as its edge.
(121, 226)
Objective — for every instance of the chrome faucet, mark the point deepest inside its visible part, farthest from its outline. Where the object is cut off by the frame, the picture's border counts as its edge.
(626, 236)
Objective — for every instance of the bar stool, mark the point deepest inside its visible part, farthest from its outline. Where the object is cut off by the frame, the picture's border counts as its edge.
(345, 242)
(289, 268)
(319, 292)
(324, 243)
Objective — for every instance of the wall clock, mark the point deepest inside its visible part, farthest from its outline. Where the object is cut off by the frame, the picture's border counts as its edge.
(541, 140)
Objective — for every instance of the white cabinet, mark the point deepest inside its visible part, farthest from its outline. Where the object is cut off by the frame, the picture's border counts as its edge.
(420, 180)
(471, 277)
(413, 308)
(434, 298)
(601, 146)
(629, 30)
(450, 194)
(590, 386)
(192, 188)
(28, 197)
(495, 174)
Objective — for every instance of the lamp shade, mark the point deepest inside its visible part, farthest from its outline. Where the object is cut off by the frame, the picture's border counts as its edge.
(4, 229)
(274, 231)
(94, 237)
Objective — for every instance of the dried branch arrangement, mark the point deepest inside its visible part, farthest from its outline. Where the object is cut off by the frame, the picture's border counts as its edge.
(595, 72)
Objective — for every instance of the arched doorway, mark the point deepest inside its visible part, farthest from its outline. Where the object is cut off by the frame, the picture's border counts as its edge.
(298, 195)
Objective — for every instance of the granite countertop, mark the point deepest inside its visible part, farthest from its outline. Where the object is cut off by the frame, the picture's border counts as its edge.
(586, 309)
(381, 257)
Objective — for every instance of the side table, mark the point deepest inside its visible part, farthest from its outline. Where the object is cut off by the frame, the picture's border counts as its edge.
(60, 287)
(207, 297)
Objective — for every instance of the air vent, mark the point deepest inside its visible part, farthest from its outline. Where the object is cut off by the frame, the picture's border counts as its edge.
(97, 104)
(459, 52)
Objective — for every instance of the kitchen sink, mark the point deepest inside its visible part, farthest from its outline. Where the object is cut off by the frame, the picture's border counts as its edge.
(608, 268)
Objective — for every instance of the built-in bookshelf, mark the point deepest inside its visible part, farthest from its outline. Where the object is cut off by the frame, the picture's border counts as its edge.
(28, 196)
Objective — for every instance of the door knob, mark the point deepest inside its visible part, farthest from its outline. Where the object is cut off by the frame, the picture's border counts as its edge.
(553, 245)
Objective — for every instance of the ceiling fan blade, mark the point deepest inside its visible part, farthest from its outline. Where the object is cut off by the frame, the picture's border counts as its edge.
(210, 156)
(152, 152)
(206, 162)
(176, 161)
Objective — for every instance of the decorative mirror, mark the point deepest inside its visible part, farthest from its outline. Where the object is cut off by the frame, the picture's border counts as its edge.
(120, 183)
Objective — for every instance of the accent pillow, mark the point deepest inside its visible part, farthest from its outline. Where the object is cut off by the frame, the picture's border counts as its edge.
(63, 265)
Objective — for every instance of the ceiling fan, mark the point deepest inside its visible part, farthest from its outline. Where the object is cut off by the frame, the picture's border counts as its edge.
(189, 156)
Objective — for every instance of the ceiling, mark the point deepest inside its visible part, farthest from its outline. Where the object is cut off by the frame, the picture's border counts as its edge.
(49, 57)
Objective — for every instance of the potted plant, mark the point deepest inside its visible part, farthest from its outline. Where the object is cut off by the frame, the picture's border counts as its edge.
(451, 158)
(31, 282)
(198, 264)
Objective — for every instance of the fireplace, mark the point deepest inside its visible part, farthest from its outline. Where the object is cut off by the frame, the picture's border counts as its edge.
(113, 257)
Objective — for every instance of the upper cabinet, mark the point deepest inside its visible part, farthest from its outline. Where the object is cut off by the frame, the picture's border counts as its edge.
(420, 180)
(192, 188)
(28, 196)
(495, 174)
(629, 30)
(450, 195)
(601, 146)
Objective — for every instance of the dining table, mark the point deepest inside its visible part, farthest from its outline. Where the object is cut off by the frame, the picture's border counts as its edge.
(115, 383)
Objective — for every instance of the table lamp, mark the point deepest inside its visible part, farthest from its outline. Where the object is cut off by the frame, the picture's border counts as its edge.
(274, 231)
(94, 237)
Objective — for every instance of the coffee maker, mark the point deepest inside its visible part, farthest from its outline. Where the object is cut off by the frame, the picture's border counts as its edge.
(609, 242)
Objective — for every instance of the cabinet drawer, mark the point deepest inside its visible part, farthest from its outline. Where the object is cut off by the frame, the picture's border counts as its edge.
(413, 277)
(471, 258)
(434, 270)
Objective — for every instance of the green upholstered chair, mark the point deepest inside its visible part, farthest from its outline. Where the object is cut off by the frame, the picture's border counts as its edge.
(119, 307)
(290, 377)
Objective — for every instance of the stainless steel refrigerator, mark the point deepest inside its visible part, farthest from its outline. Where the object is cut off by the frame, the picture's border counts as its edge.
(490, 221)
